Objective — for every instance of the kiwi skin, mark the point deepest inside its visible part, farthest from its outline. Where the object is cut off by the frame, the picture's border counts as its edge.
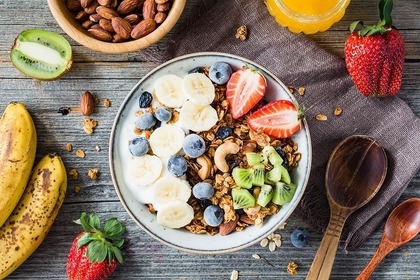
(46, 38)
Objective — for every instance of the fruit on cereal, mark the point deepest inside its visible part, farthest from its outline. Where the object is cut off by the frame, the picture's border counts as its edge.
(300, 238)
(242, 177)
(220, 72)
(168, 188)
(213, 215)
(138, 146)
(272, 155)
(145, 99)
(169, 91)
(256, 158)
(203, 190)
(224, 132)
(166, 140)
(177, 165)
(145, 121)
(245, 88)
(198, 88)
(278, 118)
(198, 117)
(196, 70)
(163, 114)
(265, 196)
(242, 198)
(258, 175)
(285, 176)
(274, 175)
(194, 146)
(283, 193)
(175, 214)
(41, 54)
(145, 170)
(96, 251)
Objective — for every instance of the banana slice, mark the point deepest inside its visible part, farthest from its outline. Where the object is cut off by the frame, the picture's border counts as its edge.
(169, 188)
(175, 214)
(198, 88)
(167, 140)
(145, 170)
(169, 91)
(198, 117)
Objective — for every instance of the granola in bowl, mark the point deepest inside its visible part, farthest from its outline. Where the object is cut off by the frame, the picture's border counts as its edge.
(245, 177)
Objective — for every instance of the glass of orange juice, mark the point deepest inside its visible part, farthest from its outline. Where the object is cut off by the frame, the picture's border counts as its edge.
(308, 16)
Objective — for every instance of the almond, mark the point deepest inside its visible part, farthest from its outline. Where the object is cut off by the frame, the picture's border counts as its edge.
(81, 16)
(132, 19)
(86, 3)
(226, 228)
(105, 2)
(100, 34)
(91, 9)
(87, 103)
(127, 6)
(244, 218)
(106, 25)
(143, 28)
(163, 7)
(95, 17)
(160, 17)
(121, 27)
(117, 38)
(161, 1)
(149, 9)
(106, 12)
(73, 5)
(87, 24)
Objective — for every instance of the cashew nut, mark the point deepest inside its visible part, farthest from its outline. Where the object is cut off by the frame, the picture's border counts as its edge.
(221, 152)
(205, 163)
(253, 210)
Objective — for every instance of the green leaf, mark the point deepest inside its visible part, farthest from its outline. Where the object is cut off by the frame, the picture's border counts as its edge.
(118, 243)
(113, 229)
(381, 9)
(364, 31)
(385, 10)
(96, 251)
(118, 254)
(94, 221)
(83, 221)
(354, 24)
(85, 239)
(110, 254)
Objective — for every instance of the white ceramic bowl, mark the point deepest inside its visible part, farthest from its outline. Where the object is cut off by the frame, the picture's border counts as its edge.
(182, 239)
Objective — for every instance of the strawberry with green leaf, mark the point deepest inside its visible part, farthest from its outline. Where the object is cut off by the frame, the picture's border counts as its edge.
(375, 55)
(96, 251)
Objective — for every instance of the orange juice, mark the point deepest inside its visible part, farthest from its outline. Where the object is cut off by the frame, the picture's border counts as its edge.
(308, 16)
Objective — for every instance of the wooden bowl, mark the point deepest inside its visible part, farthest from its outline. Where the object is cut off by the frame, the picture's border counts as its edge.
(68, 23)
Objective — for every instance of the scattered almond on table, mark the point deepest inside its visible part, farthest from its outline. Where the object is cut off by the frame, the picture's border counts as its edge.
(80, 153)
(69, 147)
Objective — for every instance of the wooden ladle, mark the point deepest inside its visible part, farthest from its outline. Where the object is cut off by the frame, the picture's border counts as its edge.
(356, 170)
(403, 225)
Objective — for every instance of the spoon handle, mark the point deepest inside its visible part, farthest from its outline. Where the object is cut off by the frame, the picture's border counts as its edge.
(379, 255)
(322, 265)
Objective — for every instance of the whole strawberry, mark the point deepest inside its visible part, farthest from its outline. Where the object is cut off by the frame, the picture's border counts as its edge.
(375, 55)
(96, 251)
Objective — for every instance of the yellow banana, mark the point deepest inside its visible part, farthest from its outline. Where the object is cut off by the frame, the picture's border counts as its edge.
(17, 155)
(33, 216)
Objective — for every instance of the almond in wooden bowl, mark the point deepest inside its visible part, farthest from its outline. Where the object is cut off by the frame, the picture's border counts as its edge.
(116, 26)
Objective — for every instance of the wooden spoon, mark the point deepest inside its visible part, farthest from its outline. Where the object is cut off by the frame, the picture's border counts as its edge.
(356, 170)
(403, 225)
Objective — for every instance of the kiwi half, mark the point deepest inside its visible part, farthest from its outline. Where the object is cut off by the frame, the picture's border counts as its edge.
(283, 193)
(41, 54)
(242, 198)
(258, 175)
(273, 157)
(265, 196)
(242, 177)
(274, 175)
(256, 158)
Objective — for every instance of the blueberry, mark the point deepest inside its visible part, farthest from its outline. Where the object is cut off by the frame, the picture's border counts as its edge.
(163, 114)
(196, 70)
(145, 121)
(213, 215)
(138, 146)
(177, 165)
(205, 203)
(224, 132)
(145, 99)
(300, 238)
(282, 153)
(220, 72)
(203, 190)
(194, 146)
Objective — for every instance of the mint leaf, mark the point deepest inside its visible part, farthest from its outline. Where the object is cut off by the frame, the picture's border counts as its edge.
(113, 229)
(96, 251)
(94, 221)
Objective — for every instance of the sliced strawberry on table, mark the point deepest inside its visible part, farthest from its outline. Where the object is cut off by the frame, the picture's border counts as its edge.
(278, 118)
(95, 252)
(245, 88)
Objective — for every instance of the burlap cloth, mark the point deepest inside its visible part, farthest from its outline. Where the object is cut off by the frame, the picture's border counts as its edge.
(300, 62)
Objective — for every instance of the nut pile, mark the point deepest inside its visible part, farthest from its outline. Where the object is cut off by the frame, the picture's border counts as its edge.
(119, 20)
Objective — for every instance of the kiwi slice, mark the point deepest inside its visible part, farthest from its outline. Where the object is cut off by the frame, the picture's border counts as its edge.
(265, 196)
(41, 54)
(274, 175)
(285, 176)
(258, 175)
(256, 158)
(242, 198)
(273, 157)
(283, 193)
(242, 177)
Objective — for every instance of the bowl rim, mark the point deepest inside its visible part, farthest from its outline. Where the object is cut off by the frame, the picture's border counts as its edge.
(111, 157)
(72, 28)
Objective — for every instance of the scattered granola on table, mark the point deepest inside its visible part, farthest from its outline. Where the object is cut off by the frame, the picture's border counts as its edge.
(69, 147)
(80, 153)
(242, 33)
(292, 268)
(73, 173)
(93, 173)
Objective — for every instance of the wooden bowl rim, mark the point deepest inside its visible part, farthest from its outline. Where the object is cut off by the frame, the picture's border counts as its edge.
(68, 23)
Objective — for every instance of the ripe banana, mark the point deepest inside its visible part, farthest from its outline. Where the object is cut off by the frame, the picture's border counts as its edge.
(33, 216)
(17, 155)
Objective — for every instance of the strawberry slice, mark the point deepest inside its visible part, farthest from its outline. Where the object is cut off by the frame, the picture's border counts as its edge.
(245, 88)
(278, 118)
